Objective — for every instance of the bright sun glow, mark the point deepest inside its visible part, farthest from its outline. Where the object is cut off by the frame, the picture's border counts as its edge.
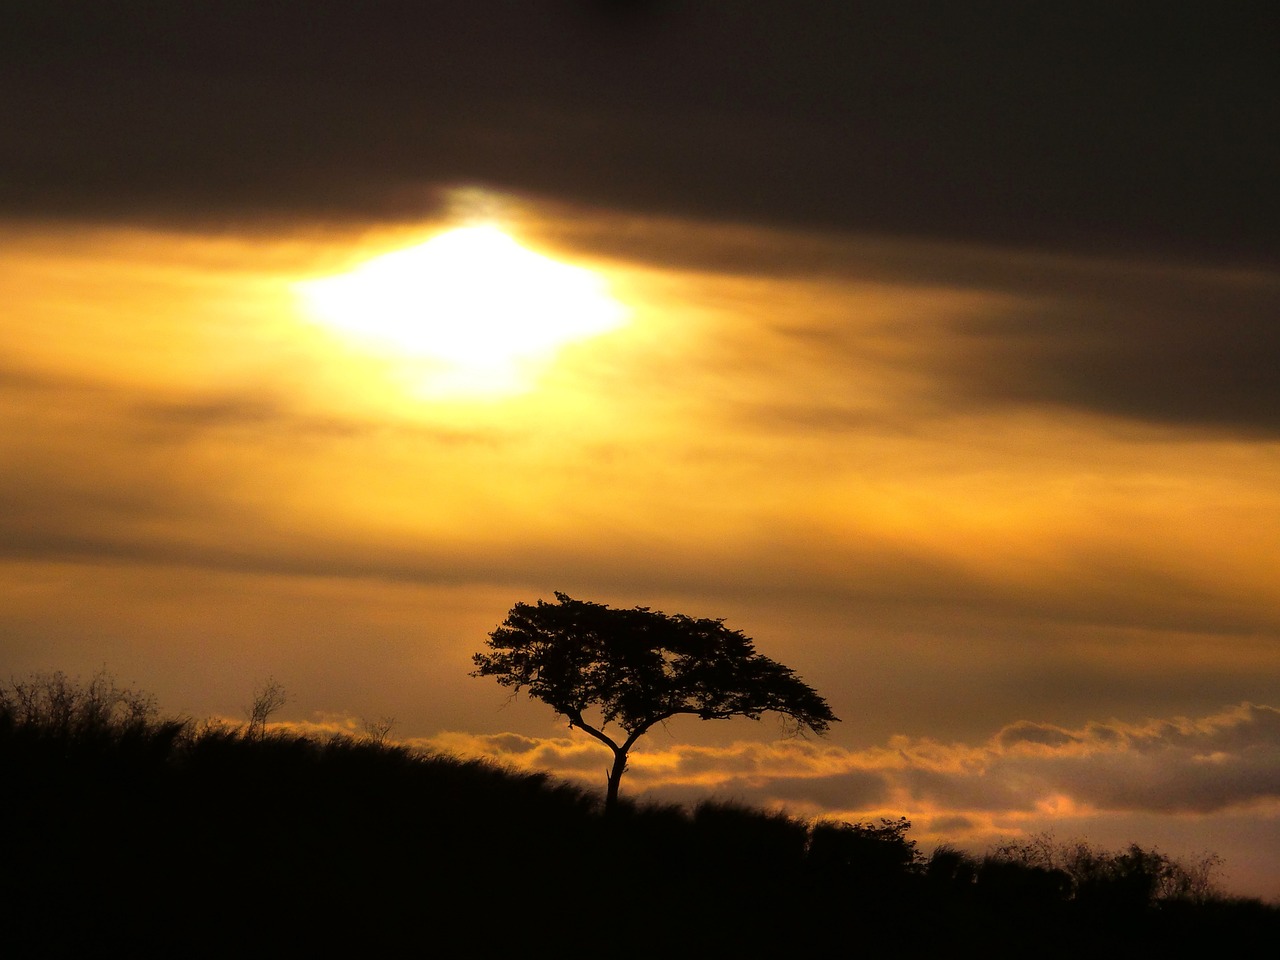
(481, 312)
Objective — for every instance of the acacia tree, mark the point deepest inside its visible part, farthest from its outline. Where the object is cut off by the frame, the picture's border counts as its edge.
(638, 667)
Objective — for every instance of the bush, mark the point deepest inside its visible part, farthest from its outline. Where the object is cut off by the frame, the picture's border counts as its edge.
(1130, 878)
(53, 705)
(862, 853)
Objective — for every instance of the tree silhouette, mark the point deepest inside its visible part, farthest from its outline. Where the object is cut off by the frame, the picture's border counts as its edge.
(639, 667)
(267, 699)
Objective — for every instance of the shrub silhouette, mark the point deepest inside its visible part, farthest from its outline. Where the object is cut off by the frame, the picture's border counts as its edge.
(52, 706)
(1128, 879)
(863, 855)
(950, 868)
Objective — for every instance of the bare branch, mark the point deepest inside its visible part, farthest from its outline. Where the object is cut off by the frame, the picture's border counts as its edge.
(267, 699)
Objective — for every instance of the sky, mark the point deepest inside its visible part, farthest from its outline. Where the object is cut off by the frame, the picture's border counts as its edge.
(932, 346)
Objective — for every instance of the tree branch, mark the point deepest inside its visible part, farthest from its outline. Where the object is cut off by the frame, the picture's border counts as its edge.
(575, 720)
(640, 731)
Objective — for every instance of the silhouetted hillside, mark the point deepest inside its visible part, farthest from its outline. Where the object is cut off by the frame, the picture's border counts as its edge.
(124, 830)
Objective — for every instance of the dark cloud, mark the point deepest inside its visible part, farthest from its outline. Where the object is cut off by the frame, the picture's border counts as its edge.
(1188, 352)
(950, 825)
(1034, 733)
(102, 472)
(854, 789)
(265, 413)
(1200, 766)
(1093, 125)
(972, 789)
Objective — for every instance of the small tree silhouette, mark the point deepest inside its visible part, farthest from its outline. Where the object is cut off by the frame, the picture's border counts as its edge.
(267, 699)
(378, 730)
(640, 667)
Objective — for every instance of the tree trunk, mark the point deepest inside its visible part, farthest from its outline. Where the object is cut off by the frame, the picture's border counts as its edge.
(615, 777)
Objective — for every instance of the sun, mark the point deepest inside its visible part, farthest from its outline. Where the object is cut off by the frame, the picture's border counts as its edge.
(474, 310)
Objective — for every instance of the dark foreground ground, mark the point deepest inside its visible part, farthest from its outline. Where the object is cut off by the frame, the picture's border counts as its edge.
(161, 839)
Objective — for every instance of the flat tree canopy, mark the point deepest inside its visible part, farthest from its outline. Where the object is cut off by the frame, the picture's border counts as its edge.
(639, 667)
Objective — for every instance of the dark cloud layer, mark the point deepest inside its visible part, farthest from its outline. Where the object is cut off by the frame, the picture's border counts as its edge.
(1088, 125)
(1191, 349)
(1186, 351)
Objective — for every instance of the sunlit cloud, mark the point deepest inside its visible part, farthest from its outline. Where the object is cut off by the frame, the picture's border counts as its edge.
(1229, 760)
